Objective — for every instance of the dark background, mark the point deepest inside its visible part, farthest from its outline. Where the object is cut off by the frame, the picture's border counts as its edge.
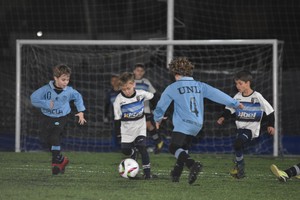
(146, 19)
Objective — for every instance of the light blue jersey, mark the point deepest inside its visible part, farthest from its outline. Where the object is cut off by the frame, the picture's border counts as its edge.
(42, 97)
(188, 96)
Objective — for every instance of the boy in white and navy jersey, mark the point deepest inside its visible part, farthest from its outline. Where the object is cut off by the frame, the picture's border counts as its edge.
(247, 120)
(129, 111)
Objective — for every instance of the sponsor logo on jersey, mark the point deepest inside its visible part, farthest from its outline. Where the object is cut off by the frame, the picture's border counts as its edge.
(254, 100)
(139, 97)
(133, 115)
(53, 111)
(245, 115)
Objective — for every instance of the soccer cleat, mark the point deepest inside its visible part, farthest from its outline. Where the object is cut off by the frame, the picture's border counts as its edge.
(60, 167)
(158, 147)
(298, 177)
(194, 171)
(174, 177)
(149, 177)
(281, 175)
(238, 171)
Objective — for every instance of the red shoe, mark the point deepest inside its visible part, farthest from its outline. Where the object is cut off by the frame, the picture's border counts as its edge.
(60, 167)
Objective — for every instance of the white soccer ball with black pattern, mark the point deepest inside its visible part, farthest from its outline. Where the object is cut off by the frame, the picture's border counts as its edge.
(128, 168)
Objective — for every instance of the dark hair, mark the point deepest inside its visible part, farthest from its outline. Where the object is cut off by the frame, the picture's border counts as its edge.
(61, 69)
(243, 76)
(181, 66)
(126, 77)
(141, 65)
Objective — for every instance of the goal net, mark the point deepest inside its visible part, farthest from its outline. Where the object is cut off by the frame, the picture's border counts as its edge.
(93, 62)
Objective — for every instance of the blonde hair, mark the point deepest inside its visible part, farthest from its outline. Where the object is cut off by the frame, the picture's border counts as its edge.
(125, 78)
(181, 66)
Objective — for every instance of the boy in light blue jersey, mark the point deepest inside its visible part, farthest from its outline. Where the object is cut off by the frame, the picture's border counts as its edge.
(188, 97)
(54, 101)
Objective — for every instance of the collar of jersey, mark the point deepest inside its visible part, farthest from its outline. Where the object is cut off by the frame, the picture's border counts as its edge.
(186, 78)
(51, 83)
(127, 96)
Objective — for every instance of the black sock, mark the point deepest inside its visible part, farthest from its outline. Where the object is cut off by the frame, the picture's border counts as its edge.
(185, 158)
(57, 157)
(293, 171)
(178, 168)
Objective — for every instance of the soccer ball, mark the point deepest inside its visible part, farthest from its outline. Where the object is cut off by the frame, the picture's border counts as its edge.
(128, 168)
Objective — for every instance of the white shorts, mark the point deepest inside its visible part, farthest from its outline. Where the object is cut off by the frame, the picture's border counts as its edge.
(130, 130)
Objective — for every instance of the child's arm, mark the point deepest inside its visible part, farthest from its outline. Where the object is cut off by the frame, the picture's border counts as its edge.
(269, 111)
(38, 100)
(220, 97)
(226, 114)
(270, 123)
(117, 115)
(161, 107)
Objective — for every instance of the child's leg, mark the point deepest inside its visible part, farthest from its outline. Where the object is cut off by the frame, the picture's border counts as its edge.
(244, 136)
(154, 133)
(140, 143)
(128, 149)
(179, 146)
(54, 130)
(293, 171)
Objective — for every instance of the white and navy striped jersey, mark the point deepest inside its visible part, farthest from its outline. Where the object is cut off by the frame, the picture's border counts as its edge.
(251, 115)
(130, 110)
(145, 84)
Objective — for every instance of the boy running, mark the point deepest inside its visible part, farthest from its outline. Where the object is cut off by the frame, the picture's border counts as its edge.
(54, 101)
(188, 97)
(248, 120)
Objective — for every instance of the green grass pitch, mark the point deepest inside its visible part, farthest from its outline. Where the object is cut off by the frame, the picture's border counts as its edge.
(95, 176)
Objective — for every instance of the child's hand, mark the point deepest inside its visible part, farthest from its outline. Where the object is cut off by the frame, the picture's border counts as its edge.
(51, 104)
(81, 120)
(271, 130)
(221, 120)
(157, 124)
(241, 106)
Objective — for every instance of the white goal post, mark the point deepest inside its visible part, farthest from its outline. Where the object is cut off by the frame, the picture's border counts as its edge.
(168, 43)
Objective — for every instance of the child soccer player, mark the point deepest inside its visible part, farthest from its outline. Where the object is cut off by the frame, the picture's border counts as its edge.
(110, 97)
(284, 175)
(54, 101)
(142, 83)
(188, 97)
(129, 109)
(248, 120)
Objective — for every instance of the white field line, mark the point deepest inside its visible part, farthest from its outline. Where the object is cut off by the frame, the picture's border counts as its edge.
(158, 172)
